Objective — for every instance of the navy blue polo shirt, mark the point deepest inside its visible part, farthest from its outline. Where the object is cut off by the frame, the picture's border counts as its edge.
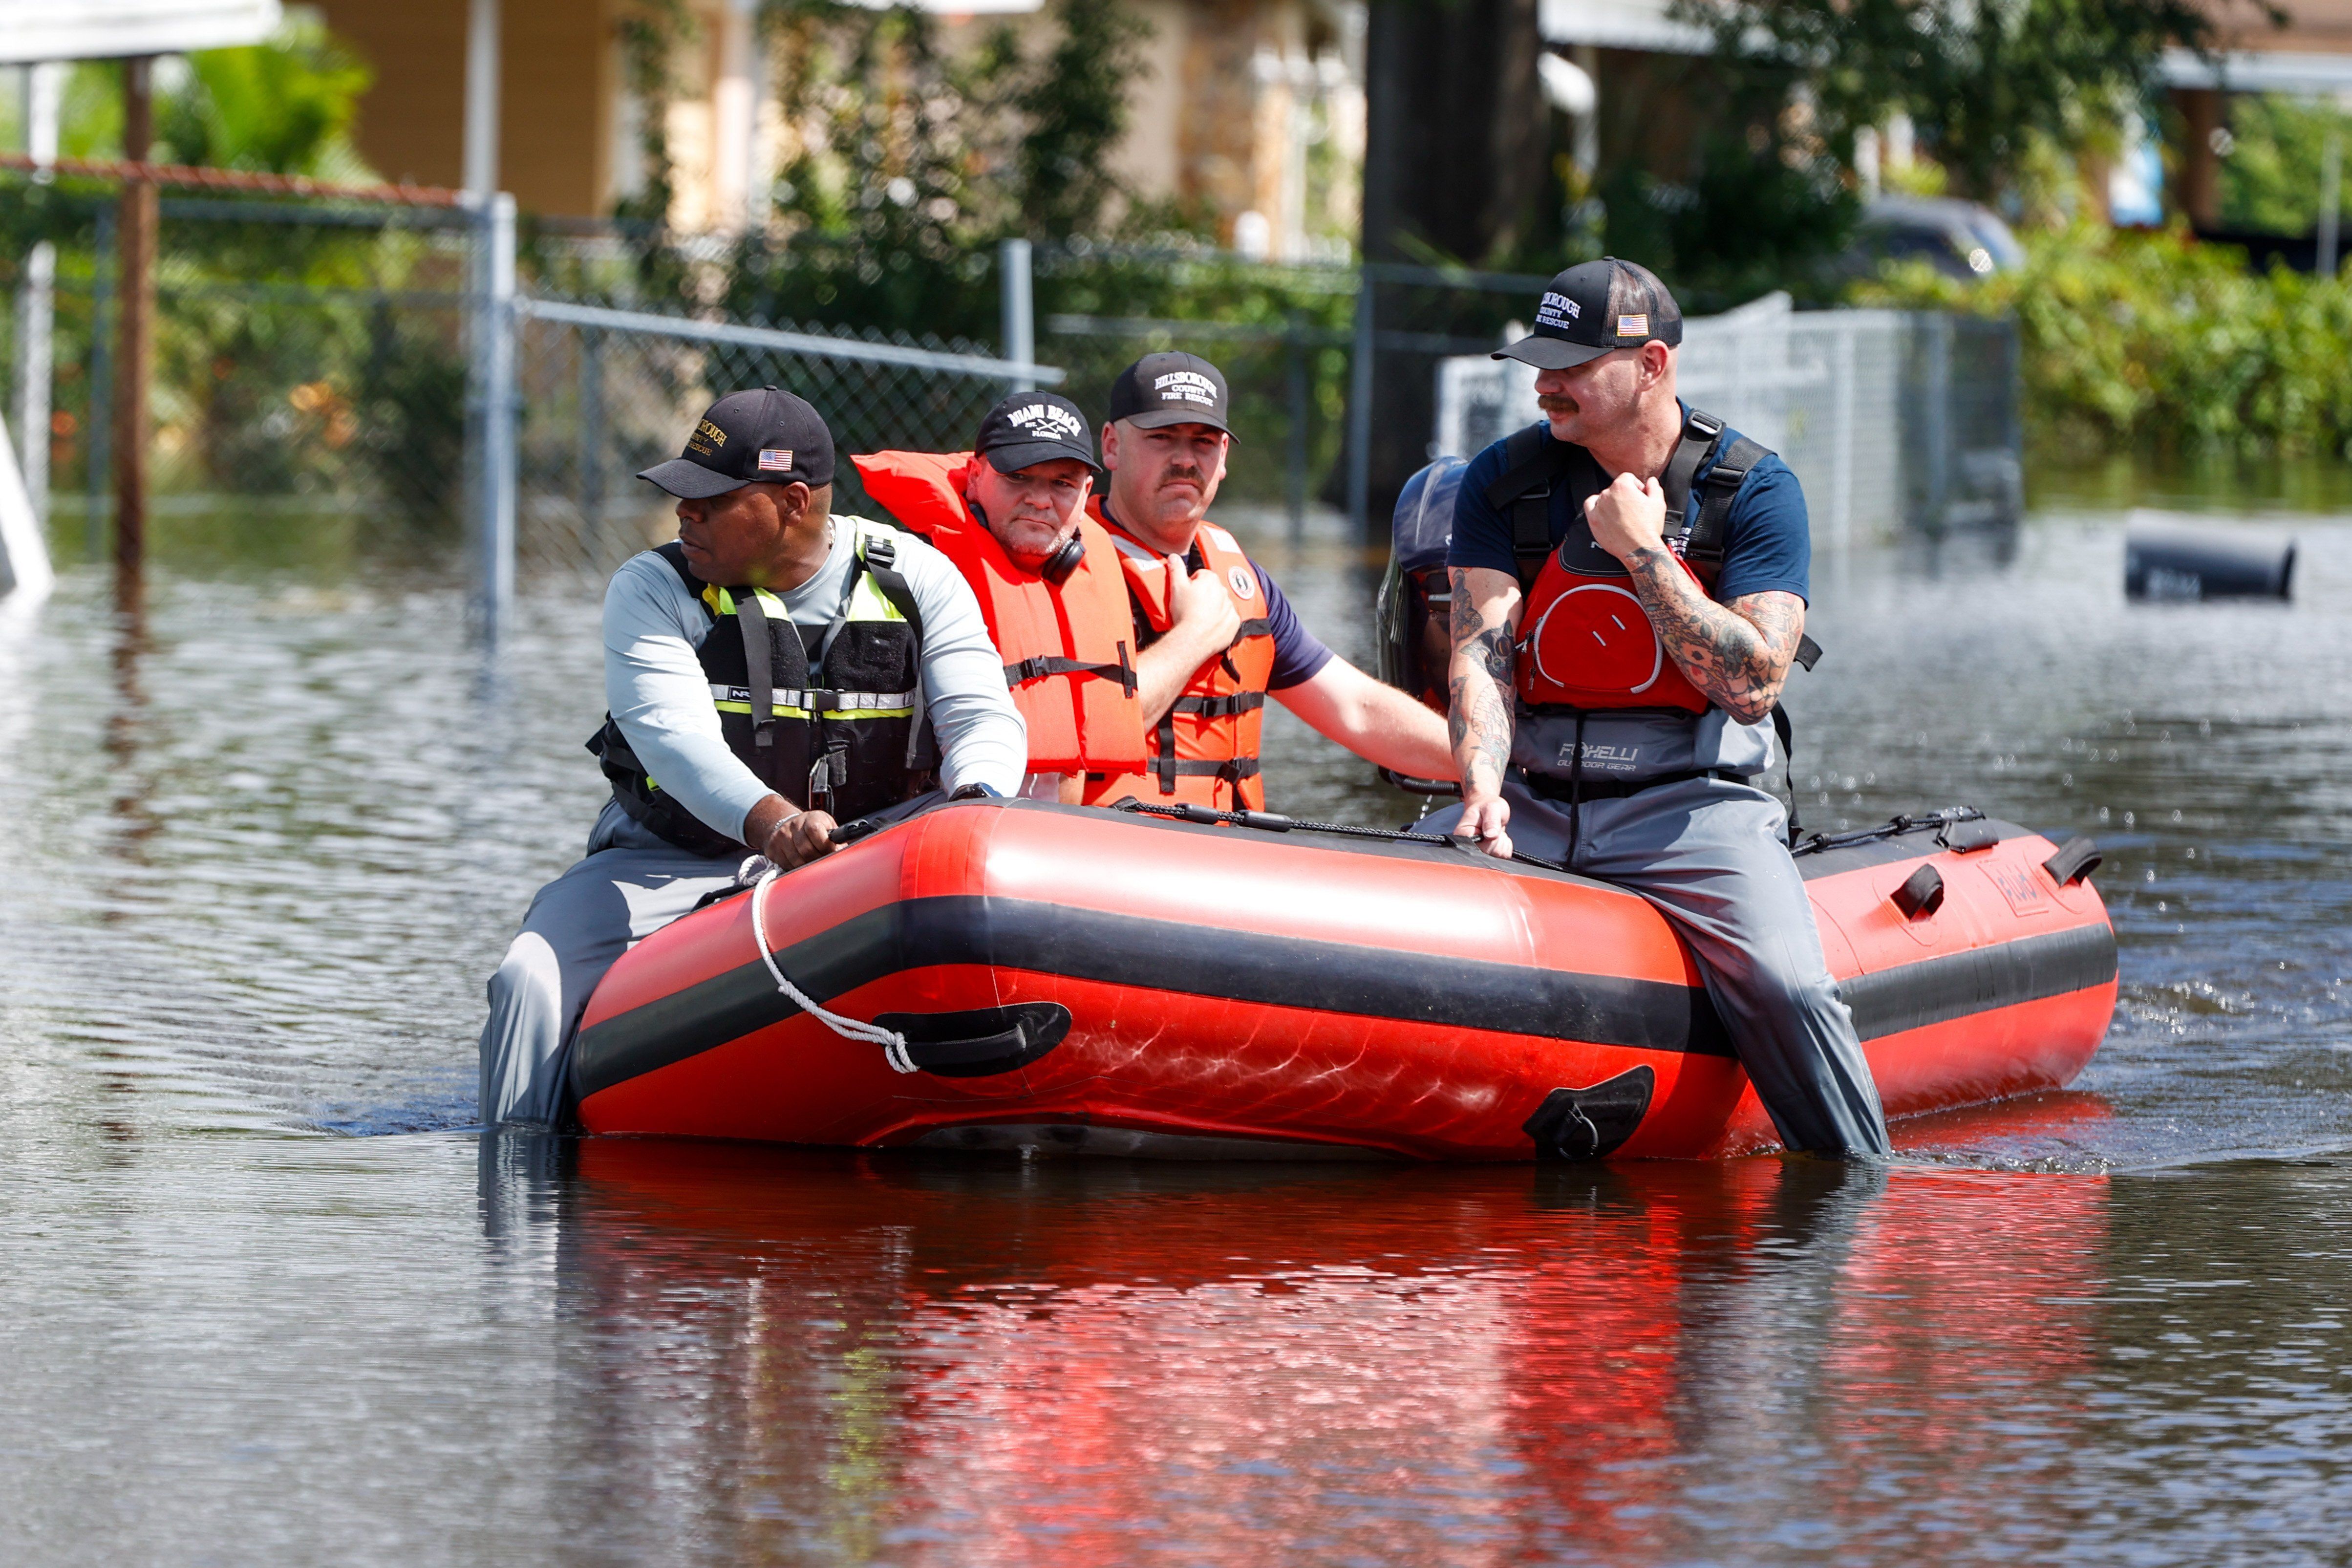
(1767, 547)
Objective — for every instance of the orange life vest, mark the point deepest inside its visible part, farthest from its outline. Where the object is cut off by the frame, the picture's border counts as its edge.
(1205, 750)
(1069, 647)
(1588, 643)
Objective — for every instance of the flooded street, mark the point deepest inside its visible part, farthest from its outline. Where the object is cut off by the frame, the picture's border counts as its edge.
(266, 1294)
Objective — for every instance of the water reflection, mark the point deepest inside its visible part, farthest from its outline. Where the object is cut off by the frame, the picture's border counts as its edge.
(1085, 1362)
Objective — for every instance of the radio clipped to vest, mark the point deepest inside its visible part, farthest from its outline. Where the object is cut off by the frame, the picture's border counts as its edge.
(830, 717)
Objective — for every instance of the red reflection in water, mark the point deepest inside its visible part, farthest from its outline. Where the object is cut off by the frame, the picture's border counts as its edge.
(1090, 1364)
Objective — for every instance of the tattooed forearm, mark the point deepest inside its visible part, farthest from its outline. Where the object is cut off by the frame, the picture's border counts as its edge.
(1478, 710)
(1737, 654)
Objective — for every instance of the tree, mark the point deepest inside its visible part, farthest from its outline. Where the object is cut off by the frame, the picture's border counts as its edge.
(1980, 79)
(1454, 164)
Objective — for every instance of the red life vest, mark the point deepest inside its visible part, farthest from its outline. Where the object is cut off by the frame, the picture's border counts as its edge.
(1588, 643)
(1585, 641)
(1205, 750)
(1069, 647)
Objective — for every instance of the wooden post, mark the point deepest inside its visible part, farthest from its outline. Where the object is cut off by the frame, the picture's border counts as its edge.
(134, 357)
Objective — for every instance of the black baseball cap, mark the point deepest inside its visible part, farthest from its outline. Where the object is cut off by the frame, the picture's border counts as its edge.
(764, 436)
(1592, 307)
(1034, 427)
(1161, 390)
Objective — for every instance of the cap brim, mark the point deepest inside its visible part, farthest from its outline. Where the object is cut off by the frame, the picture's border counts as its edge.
(1552, 353)
(689, 480)
(1160, 418)
(1021, 454)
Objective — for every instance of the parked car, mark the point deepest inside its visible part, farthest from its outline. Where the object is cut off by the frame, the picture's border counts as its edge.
(1961, 239)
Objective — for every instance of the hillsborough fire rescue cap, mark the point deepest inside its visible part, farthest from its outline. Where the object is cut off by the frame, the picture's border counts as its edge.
(1034, 427)
(1592, 307)
(762, 436)
(1160, 390)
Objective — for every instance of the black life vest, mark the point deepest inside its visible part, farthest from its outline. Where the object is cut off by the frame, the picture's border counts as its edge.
(830, 718)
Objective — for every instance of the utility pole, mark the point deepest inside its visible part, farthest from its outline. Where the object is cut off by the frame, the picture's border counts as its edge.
(134, 355)
(2331, 199)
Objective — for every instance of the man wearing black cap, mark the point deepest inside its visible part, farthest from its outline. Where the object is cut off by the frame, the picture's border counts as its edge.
(874, 673)
(1010, 515)
(1629, 587)
(1218, 635)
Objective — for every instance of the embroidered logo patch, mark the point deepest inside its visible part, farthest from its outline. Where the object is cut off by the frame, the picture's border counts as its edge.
(776, 460)
(1186, 386)
(1046, 419)
(1244, 581)
(1633, 326)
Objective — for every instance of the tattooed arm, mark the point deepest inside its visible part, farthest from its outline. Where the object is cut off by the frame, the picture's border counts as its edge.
(1737, 654)
(1478, 690)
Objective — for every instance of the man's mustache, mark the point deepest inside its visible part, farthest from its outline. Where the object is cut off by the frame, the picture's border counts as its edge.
(1557, 404)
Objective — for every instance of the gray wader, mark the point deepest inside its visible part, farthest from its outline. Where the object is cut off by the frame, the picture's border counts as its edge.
(631, 885)
(1708, 852)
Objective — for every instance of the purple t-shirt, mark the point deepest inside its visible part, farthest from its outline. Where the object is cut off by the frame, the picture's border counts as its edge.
(1299, 655)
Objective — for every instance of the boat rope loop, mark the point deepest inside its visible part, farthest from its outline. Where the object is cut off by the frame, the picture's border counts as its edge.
(893, 1044)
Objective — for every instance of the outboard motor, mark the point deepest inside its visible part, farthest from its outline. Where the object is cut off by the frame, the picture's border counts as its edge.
(1416, 637)
(1415, 606)
(2170, 561)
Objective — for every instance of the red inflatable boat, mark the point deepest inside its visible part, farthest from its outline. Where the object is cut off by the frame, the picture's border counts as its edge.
(1070, 978)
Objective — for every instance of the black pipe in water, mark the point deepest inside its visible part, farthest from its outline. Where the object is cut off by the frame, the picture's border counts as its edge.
(2177, 563)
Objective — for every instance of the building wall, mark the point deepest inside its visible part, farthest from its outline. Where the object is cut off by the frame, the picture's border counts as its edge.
(558, 91)
(1234, 100)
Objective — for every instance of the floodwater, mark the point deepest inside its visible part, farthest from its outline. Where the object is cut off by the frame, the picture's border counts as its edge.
(266, 1296)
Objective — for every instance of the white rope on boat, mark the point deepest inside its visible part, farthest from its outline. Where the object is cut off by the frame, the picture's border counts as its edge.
(893, 1044)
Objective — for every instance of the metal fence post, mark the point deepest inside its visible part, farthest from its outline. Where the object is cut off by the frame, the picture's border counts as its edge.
(36, 320)
(98, 418)
(1017, 306)
(491, 372)
(1359, 410)
(1938, 441)
(592, 433)
(1294, 468)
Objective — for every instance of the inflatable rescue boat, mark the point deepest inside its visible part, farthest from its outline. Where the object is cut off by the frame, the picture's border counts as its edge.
(1175, 981)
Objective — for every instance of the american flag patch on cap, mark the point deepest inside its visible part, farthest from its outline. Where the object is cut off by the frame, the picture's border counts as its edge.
(776, 460)
(1633, 326)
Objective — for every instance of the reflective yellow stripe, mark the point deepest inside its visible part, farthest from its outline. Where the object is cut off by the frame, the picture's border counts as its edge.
(738, 700)
(782, 712)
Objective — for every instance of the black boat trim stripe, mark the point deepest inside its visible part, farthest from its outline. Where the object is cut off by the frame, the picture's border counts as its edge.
(1958, 984)
(1252, 967)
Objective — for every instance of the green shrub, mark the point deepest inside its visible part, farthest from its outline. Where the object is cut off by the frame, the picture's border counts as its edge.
(2152, 340)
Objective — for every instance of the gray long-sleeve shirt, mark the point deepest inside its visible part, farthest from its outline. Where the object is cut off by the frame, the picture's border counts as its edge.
(657, 692)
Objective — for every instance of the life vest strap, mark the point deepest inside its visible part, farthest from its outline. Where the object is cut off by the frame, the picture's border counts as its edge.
(1172, 768)
(1042, 667)
(1224, 707)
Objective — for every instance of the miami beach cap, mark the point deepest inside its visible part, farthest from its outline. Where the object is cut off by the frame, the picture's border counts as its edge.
(762, 436)
(1161, 390)
(1592, 307)
(1034, 427)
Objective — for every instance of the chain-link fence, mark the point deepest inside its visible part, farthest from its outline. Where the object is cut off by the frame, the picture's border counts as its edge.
(605, 393)
(319, 384)
(308, 375)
